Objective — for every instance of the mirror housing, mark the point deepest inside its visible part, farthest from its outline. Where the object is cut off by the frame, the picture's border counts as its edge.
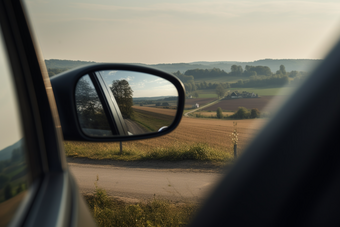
(64, 86)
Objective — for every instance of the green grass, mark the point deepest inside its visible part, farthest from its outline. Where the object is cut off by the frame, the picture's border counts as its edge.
(151, 121)
(108, 211)
(267, 91)
(229, 79)
(176, 152)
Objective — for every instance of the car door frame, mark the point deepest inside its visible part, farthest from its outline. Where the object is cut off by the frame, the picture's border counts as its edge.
(53, 197)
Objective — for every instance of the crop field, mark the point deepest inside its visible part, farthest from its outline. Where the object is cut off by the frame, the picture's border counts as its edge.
(214, 132)
(151, 119)
(259, 103)
(190, 132)
(266, 91)
(200, 101)
(169, 112)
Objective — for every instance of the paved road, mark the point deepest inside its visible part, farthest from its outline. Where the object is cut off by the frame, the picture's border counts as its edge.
(134, 128)
(144, 183)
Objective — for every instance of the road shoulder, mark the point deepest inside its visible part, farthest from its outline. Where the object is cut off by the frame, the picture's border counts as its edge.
(173, 166)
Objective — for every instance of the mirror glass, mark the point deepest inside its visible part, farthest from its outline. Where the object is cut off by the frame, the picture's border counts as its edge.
(91, 114)
(137, 103)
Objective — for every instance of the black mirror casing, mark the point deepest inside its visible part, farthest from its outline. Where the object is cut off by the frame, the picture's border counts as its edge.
(64, 86)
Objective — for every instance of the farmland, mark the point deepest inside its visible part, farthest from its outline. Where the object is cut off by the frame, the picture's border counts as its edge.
(151, 119)
(191, 131)
(266, 91)
(249, 103)
(200, 101)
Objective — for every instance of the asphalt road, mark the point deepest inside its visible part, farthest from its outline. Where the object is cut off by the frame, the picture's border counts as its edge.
(138, 184)
(134, 128)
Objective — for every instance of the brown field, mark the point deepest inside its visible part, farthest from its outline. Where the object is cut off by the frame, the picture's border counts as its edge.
(200, 101)
(169, 112)
(214, 132)
(234, 104)
(211, 131)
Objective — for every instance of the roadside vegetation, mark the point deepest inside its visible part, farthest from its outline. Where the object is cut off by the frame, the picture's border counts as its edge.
(131, 152)
(108, 211)
(241, 113)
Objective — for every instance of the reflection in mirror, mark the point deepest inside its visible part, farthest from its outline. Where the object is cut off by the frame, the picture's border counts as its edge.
(146, 102)
(91, 115)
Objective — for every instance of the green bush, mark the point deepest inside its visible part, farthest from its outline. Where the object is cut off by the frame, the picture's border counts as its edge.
(219, 113)
(255, 113)
(241, 113)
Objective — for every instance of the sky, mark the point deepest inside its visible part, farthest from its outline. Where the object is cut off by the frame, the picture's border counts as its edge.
(9, 118)
(157, 31)
(142, 84)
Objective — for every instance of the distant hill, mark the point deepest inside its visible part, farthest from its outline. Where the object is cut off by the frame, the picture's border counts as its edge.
(65, 64)
(6, 153)
(273, 64)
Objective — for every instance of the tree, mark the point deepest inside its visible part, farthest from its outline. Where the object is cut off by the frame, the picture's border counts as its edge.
(283, 70)
(242, 113)
(196, 94)
(254, 113)
(236, 70)
(8, 191)
(220, 91)
(123, 93)
(219, 113)
(3, 180)
(89, 108)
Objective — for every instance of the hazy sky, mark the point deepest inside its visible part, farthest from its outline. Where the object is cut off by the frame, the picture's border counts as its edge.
(156, 31)
(10, 131)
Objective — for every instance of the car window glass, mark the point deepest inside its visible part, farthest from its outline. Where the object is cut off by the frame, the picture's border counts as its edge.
(91, 115)
(13, 164)
(239, 61)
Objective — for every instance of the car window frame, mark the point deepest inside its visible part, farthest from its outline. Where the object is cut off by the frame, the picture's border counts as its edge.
(53, 198)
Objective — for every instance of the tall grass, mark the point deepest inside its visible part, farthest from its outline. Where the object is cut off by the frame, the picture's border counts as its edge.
(108, 211)
(131, 152)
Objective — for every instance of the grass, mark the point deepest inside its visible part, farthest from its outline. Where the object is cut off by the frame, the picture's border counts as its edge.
(131, 152)
(266, 91)
(151, 121)
(108, 211)
(229, 79)
(207, 95)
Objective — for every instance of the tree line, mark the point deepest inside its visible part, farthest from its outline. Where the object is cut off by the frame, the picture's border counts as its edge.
(259, 76)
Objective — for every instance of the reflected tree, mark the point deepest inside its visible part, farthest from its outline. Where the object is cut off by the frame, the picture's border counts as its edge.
(89, 108)
(123, 94)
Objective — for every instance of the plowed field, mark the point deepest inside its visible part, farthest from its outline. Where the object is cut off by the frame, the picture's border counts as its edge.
(156, 110)
(249, 103)
(200, 101)
(211, 131)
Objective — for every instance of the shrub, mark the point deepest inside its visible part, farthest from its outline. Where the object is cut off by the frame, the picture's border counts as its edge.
(108, 211)
(255, 113)
(219, 113)
(242, 113)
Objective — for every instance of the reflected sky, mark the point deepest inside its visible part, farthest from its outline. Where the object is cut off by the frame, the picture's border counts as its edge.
(142, 84)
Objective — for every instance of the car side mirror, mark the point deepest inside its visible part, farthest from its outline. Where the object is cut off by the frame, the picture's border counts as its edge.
(117, 102)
